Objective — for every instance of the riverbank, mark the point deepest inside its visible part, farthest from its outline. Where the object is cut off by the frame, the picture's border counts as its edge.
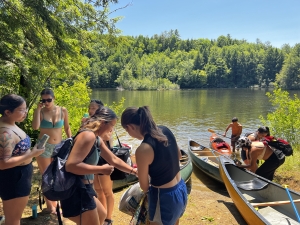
(208, 203)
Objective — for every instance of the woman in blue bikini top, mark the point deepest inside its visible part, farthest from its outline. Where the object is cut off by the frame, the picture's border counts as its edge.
(50, 119)
(15, 158)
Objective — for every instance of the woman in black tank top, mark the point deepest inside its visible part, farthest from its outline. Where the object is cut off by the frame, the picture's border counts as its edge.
(158, 158)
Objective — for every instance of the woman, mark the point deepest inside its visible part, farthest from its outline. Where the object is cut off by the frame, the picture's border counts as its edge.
(50, 119)
(102, 183)
(83, 206)
(157, 157)
(15, 158)
(273, 158)
(256, 136)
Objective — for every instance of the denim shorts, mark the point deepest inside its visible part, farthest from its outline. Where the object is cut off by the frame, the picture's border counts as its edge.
(15, 182)
(167, 205)
(48, 150)
(82, 200)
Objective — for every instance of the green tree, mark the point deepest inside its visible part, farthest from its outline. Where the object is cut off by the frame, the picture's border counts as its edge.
(284, 121)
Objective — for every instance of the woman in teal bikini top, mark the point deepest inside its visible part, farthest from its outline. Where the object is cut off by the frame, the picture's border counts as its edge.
(47, 124)
(52, 120)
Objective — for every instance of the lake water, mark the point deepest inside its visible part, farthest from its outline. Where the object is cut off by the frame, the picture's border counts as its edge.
(190, 113)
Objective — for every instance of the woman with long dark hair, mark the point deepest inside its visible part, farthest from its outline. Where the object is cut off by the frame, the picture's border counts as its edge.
(15, 158)
(157, 157)
(52, 120)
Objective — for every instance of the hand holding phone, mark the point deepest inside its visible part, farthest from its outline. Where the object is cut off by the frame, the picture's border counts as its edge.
(42, 142)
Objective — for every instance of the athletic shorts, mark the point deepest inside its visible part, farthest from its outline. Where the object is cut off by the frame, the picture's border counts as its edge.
(48, 150)
(82, 200)
(234, 139)
(15, 182)
(167, 205)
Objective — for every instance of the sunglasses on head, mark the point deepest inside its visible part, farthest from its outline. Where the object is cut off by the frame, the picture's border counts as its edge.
(46, 100)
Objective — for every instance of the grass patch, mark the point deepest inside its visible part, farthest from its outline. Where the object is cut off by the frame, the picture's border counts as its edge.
(289, 172)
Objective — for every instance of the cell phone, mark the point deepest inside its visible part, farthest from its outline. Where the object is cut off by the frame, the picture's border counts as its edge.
(42, 142)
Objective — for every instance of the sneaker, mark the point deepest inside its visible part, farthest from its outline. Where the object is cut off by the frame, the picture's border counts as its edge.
(2, 219)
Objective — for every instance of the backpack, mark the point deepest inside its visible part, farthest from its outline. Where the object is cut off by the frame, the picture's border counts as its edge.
(57, 183)
(279, 144)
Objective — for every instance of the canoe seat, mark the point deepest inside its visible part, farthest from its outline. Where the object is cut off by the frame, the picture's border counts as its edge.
(252, 185)
(275, 217)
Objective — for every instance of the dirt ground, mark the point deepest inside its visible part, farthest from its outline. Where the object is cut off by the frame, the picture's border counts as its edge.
(208, 203)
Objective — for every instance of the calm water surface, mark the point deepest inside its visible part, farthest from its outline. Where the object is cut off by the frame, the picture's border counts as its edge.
(190, 113)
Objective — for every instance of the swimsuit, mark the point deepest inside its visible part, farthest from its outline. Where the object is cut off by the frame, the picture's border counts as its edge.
(47, 124)
(17, 179)
(22, 146)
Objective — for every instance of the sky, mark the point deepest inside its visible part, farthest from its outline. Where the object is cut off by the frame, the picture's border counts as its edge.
(274, 21)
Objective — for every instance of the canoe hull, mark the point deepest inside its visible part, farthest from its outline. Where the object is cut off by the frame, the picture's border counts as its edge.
(205, 159)
(237, 183)
(186, 169)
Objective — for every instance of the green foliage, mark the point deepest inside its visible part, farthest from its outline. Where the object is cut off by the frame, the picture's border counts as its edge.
(76, 99)
(289, 76)
(284, 121)
(225, 62)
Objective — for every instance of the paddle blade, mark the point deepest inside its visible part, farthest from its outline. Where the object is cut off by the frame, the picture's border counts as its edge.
(212, 131)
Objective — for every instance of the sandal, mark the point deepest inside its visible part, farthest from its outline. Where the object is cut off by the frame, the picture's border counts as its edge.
(108, 222)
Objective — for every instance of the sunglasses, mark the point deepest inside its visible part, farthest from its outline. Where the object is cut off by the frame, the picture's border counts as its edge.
(46, 100)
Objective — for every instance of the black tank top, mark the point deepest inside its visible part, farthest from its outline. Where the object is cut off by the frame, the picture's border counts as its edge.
(165, 164)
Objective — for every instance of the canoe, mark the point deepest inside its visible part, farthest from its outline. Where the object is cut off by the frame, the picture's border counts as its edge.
(206, 159)
(259, 200)
(186, 169)
(219, 144)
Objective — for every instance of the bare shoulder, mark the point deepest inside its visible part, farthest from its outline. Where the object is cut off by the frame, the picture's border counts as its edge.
(145, 152)
(64, 109)
(85, 137)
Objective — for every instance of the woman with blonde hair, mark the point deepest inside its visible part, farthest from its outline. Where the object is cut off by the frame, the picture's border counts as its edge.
(103, 183)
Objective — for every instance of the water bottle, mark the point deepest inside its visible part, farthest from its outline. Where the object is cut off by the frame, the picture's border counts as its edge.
(34, 211)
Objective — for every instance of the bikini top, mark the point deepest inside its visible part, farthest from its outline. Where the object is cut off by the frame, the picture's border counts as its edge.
(47, 124)
(22, 146)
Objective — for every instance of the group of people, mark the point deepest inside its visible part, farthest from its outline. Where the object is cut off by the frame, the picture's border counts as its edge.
(167, 194)
(253, 149)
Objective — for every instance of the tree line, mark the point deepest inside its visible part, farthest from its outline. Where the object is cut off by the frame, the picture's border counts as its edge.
(166, 61)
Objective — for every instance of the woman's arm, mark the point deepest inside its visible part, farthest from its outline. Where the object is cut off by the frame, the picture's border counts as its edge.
(36, 121)
(7, 146)
(66, 123)
(144, 157)
(82, 146)
(114, 160)
(252, 166)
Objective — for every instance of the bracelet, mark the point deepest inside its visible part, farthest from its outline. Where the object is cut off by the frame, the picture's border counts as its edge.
(131, 171)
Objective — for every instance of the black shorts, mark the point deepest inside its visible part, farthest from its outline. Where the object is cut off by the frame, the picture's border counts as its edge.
(82, 200)
(15, 182)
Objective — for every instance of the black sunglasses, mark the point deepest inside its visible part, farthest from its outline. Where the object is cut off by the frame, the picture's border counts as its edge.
(46, 100)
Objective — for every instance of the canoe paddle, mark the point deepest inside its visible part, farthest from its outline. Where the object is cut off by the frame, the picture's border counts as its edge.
(212, 131)
(292, 202)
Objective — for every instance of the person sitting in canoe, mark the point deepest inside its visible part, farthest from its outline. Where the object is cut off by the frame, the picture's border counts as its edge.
(255, 136)
(258, 150)
(236, 131)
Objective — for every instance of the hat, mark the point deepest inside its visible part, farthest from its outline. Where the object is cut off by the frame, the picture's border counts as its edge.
(243, 142)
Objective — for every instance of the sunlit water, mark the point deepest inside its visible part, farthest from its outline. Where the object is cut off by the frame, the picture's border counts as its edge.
(190, 113)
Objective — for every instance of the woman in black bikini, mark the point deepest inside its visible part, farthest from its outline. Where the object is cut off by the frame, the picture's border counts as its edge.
(15, 158)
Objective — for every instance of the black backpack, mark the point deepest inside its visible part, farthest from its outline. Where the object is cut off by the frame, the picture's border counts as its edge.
(57, 183)
(279, 144)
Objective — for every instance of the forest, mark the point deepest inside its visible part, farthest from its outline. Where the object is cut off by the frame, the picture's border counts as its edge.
(167, 62)
(47, 43)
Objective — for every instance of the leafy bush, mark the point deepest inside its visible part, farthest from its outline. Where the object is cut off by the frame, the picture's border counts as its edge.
(284, 121)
